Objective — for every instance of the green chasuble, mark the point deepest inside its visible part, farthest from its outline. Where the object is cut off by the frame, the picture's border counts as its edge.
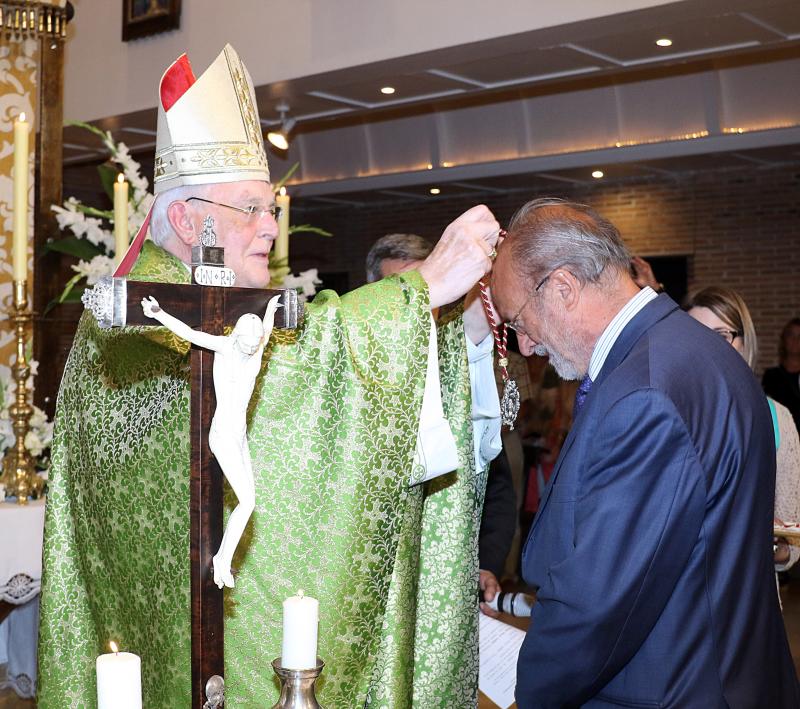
(332, 428)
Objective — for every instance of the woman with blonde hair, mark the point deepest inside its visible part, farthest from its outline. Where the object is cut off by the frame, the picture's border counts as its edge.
(723, 311)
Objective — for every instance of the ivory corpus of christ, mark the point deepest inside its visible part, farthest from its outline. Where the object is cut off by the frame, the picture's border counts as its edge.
(237, 362)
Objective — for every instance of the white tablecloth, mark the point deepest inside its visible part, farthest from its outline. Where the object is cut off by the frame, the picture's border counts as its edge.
(21, 535)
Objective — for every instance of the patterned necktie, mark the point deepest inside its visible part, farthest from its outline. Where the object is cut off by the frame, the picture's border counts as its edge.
(580, 395)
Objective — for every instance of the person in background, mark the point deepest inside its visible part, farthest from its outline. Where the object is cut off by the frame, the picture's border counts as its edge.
(724, 311)
(782, 383)
(398, 253)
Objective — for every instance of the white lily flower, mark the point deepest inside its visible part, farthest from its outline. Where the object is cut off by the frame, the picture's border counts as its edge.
(94, 270)
(305, 281)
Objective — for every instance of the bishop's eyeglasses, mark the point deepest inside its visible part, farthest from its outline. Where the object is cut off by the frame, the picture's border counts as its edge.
(252, 211)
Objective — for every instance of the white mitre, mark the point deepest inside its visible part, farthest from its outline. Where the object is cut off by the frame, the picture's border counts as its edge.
(211, 133)
(208, 131)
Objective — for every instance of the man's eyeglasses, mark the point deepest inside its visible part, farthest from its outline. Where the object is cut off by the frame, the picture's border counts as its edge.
(513, 324)
(252, 211)
(728, 335)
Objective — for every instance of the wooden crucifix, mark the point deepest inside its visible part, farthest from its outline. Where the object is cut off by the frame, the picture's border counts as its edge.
(209, 308)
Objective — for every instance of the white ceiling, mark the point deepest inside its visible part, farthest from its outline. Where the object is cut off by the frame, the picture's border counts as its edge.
(534, 101)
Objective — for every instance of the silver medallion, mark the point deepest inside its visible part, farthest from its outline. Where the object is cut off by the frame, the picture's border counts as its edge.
(509, 403)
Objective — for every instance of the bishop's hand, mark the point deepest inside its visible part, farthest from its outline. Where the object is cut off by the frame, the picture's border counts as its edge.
(150, 306)
(462, 256)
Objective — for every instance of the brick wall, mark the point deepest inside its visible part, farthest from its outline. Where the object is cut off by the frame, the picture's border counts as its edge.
(739, 228)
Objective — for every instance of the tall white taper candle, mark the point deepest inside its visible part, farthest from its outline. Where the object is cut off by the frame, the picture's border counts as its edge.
(282, 243)
(121, 237)
(20, 218)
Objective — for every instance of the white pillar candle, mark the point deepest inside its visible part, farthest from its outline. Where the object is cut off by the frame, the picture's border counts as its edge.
(282, 242)
(121, 237)
(300, 622)
(20, 218)
(119, 680)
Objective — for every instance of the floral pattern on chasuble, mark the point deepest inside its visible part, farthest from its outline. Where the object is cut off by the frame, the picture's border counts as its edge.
(19, 65)
(333, 423)
(429, 640)
(116, 552)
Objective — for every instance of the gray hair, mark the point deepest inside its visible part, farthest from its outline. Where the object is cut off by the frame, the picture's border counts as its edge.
(549, 233)
(160, 228)
(405, 247)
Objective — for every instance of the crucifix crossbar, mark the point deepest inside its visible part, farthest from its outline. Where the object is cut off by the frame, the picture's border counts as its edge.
(210, 309)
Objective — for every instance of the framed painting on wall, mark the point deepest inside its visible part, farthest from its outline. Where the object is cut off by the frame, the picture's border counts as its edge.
(145, 17)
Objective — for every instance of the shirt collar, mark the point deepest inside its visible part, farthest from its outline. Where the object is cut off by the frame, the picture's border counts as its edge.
(615, 328)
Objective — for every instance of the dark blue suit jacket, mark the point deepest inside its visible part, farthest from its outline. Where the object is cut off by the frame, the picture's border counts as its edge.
(652, 549)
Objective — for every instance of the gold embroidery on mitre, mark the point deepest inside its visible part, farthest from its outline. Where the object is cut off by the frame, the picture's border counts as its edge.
(248, 113)
(215, 157)
(220, 158)
(227, 156)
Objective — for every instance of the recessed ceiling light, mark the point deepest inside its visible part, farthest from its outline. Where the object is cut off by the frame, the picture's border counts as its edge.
(388, 90)
(597, 174)
(435, 190)
(664, 42)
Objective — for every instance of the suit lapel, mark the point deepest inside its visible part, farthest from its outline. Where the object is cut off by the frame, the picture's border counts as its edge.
(648, 316)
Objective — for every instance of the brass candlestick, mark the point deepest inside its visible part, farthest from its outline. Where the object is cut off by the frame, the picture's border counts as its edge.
(19, 474)
(297, 686)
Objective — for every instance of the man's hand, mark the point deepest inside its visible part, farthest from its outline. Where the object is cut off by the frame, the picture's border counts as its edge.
(461, 257)
(491, 587)
(643, 275)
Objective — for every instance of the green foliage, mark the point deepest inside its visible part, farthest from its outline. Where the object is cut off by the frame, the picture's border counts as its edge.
(108, 176)
(276, 186)
(94, 212)
(308, 228)
(71, 294)
(73, 246)
(88, 126)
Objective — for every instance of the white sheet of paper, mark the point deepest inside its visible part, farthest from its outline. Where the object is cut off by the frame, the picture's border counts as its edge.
(499, 649)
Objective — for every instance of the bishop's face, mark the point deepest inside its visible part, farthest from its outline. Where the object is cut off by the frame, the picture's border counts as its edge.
(246, 238)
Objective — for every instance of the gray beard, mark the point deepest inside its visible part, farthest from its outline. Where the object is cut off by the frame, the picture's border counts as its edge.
(564, 368)
(565, 342)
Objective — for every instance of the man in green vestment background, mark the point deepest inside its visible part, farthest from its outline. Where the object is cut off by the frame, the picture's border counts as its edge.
(334, 428)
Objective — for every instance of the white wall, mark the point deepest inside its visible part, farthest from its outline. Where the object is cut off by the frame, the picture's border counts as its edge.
(285, 39)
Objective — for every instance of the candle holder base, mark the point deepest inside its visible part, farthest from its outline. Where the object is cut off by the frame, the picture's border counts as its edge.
(19, 479)
(19, 473)
(297, 686)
